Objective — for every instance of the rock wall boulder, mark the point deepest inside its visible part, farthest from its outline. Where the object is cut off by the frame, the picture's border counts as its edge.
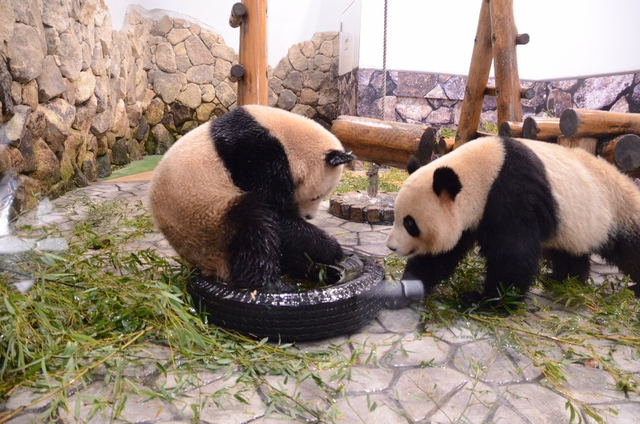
(436, 100)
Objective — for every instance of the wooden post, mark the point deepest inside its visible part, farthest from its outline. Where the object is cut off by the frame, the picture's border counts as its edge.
(381, 142)
(505, 62)
(253, 87)
(547, 129)
(587, 143)
(372, 175)
(624, 152)
(586, 123)
(477, 79)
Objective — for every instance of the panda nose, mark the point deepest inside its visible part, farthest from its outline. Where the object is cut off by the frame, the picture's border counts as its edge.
(393, 249)
(308, 217)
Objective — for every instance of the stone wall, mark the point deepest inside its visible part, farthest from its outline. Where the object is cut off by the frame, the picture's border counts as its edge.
(436, 99)
(78, 98)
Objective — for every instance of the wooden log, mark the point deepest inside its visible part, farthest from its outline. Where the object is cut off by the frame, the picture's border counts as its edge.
(236, 73)
(536, 128)
(510, 129)
(444, 145)
(522, 39)
(477, 80)
(525, 93)
(253, 87)
(588, 123)
(624, 152)
(505, 62)
(425, 146)
(372, 177)
(238, 11)
(587, 143)
(381, 142)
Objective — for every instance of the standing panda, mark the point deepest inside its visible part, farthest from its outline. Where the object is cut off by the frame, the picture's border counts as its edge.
(232, 196)
(515, 198)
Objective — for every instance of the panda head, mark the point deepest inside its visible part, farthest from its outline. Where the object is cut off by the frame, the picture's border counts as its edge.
(426, 216)
(316, 157)
(312, 187)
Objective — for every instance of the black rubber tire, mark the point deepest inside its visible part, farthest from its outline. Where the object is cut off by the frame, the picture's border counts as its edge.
(337, 309)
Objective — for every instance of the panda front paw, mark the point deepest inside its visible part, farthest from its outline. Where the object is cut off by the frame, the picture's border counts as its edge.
(278, 286)
(470, 299)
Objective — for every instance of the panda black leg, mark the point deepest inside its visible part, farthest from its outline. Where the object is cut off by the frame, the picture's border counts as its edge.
(304, 244)
(511, 263)
(431, 269)
(565, 265)
(624, 252)
(254, 251)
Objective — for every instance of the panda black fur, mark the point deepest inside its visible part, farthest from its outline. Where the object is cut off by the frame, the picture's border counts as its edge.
(231, 196)
(515, 198)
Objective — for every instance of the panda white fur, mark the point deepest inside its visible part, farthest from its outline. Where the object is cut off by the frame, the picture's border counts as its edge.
(230, 196)
(515, 198)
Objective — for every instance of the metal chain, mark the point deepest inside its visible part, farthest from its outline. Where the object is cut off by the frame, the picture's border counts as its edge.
(384, 63)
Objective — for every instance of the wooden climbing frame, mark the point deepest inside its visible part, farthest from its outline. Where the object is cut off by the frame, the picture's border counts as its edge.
(496, 41)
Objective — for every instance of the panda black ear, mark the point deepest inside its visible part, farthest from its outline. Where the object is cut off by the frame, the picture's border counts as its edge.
(413, 165)
(446, 179)
(338, 157)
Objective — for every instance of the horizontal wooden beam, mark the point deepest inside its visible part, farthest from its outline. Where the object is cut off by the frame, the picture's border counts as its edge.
(525, 92)
(238, 10)
(236, 73)
(510, 129)
(589, 123)
(624, 152)
(383, 142)
(522, 39)
(537, 128)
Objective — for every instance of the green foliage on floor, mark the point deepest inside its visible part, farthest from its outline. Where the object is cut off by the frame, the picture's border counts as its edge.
(148, 163)
(96, 307)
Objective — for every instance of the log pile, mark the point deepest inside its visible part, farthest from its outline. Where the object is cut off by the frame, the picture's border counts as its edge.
(615, 136)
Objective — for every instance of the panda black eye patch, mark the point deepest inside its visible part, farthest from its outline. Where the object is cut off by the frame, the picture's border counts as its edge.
(411, 226)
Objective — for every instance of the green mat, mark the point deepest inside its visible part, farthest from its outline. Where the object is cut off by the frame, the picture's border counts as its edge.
(148, 163)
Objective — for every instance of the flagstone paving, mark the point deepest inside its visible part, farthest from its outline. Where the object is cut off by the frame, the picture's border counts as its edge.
(408, 371)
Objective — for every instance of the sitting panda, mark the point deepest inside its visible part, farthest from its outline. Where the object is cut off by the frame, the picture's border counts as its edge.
(232, 196)
(515, 198)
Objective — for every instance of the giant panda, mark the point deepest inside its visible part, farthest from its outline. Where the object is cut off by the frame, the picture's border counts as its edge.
(232, 196)
(514, 199)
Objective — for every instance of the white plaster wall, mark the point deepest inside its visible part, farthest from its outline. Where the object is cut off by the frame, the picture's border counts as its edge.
(569, 38)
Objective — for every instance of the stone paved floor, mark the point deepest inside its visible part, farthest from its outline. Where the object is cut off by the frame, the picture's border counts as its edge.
(407, 371)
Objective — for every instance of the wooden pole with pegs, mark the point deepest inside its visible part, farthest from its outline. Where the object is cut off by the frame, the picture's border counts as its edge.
(251, 74)
(496, 40)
